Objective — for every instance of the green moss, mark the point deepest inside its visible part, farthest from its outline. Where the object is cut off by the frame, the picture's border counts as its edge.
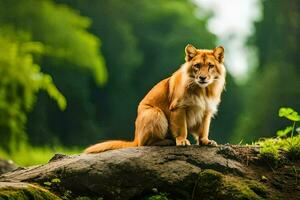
(293, 147)
(214, 185)
(209, 182)
(270, 148)
(269, 151)
(258, 188)
(160, 196)
(26, 192)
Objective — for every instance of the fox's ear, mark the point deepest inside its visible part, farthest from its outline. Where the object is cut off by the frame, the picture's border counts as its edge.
(190, 52)
(219, 54)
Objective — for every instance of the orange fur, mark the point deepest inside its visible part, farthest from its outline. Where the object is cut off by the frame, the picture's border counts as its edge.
(181, 104)
(115, 144)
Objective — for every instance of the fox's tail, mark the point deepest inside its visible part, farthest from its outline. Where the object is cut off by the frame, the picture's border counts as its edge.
(110, 145)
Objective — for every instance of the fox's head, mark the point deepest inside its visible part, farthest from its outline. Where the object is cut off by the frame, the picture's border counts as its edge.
(204, 66)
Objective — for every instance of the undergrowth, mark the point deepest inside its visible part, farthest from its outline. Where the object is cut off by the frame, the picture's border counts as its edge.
(273, 149)
(286, 143)
(27, 155)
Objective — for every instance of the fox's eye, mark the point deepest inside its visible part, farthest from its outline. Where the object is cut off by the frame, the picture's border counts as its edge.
(198, 65)
(210, 66)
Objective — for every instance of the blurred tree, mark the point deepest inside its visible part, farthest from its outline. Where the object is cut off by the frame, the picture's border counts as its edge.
(61, 29)
(67, 47)
(276, 82)
(20, 81)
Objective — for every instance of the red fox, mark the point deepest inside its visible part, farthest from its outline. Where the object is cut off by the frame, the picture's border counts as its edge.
(181, 104)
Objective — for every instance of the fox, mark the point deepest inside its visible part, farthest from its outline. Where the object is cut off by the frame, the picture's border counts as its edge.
(181, 104)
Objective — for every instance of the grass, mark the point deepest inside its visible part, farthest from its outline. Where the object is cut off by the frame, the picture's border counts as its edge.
(28, 155)
(271, 147)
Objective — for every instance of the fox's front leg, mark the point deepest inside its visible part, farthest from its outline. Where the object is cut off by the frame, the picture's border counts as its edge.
(204, 130)
(178, 126)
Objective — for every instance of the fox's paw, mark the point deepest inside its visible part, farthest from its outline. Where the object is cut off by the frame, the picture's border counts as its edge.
(182, 142)
(208, 142)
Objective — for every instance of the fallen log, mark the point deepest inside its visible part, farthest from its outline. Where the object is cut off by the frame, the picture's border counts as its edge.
(193, 172)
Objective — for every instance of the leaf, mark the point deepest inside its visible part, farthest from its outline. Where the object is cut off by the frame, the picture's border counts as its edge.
(264, 179)
(282, 133)
(289, 113)
(294, 117)
(283, 112)
(55, 180)
(47, 183)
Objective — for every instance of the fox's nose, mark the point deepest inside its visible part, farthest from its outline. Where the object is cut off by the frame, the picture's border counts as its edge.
(202, 78)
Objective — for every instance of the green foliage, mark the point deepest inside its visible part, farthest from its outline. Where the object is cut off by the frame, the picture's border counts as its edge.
(21, 79)
(284, 132)
(53, 183)
(27, 155)
(56, 180)
(61, 29)
(47, 183)
(289, 113)
(293, 116)
(32, 32)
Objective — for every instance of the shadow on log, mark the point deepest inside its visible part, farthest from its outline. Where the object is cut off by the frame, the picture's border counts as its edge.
(194, 172)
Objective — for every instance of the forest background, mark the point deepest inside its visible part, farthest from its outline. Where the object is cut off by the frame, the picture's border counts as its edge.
(72, 72)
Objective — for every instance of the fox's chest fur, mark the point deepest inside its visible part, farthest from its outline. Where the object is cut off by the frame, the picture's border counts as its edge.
(196, 106)
(195, 101)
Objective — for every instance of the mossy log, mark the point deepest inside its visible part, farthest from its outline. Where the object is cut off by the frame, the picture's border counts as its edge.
(193, 172)
(25, 191)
